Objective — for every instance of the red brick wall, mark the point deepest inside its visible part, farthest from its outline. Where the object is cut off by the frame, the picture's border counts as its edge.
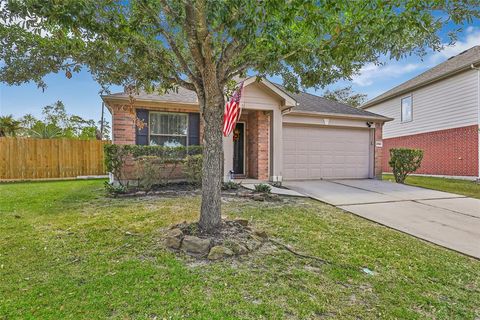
(378, 150)
(452, 152)
(123, 126)
(132, 171)
(258, 124)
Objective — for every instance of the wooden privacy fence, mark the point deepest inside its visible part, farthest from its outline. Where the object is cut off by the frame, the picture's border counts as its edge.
(28, 158)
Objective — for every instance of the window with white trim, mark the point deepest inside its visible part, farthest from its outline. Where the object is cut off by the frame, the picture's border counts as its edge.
(168, 129)
(407, 109)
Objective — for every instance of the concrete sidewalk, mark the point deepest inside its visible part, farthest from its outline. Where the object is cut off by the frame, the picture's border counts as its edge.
(447, 219)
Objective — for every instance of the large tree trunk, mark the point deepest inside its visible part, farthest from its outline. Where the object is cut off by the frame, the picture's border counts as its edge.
(212, 171)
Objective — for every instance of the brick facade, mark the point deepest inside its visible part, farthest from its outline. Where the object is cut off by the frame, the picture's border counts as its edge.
(451, 152)
(378, 150)
(257, 138)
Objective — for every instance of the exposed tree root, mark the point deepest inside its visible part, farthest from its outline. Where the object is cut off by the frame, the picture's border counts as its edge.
(284, 246)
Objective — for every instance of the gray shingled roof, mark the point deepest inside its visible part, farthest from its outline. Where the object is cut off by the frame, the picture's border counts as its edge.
(455, 64)
(181, 96)
(306, 102)
(311, 103)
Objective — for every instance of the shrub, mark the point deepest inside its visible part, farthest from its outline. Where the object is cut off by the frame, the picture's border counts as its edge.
(115, 157)
(154, 164)
(192, 167)
(115, 189)
(263, 187)
(404, 161)
(154, 170)
(231, 185)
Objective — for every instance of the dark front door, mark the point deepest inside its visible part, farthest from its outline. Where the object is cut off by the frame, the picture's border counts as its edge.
(239, 148)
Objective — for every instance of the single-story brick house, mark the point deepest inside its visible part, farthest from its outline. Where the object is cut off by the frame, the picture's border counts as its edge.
(439, 112)
(280, 135)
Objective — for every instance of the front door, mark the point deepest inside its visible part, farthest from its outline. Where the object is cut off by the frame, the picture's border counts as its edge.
(239, 149)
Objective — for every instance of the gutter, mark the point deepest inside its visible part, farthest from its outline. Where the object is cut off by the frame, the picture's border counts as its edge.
(478, 114)
(338, 115)
(122, 98)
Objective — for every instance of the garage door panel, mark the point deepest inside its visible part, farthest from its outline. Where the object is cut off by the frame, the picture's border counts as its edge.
(325, 153)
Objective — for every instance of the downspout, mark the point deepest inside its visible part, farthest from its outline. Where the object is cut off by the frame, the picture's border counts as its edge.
(478, 119)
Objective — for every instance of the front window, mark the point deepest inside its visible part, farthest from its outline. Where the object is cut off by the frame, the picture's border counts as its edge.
(168, 129)
(407, 109)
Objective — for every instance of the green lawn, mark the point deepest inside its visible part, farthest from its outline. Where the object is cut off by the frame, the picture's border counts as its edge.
(67, 251)
(464, 187)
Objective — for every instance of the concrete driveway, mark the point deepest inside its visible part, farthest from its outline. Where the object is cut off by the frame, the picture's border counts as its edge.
(447, 219)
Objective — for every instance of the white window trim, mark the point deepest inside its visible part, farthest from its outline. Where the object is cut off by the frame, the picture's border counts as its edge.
(401, 109)
(167, 135)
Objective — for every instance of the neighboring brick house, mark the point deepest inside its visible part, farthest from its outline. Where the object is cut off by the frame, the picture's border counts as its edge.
(280, 135)
(438, 112)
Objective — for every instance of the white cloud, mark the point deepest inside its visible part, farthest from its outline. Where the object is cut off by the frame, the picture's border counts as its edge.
(370, 74)
(472, 39)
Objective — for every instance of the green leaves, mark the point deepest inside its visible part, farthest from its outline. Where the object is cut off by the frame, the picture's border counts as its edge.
(404, 161)
(346, 95)
(153, 43)
(9, 127)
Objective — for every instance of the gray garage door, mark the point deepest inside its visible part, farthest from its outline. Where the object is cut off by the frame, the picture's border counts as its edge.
(313, 152)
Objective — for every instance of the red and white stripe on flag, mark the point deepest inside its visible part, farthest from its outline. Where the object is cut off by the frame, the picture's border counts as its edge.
(232, 111)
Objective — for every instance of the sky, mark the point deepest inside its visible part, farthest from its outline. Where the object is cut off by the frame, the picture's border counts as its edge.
(80, 94)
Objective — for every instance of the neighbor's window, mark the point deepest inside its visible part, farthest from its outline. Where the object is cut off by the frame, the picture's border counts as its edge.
(168, 129)
(407, 109)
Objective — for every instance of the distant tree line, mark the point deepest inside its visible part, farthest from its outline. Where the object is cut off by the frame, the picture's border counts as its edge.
(346, 95)
(54, 123)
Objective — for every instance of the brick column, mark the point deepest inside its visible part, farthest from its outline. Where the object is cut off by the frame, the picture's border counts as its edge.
(123, 126)
(258, 144)
(263, 144)
(378, 150)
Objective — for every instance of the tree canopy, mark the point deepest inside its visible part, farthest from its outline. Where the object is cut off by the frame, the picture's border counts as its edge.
(169, 43)
(346, 95)
(55, 123)
(202, 44)
(9, 127)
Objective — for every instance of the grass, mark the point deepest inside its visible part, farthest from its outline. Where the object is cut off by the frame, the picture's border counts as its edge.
(68, 252)
(463, 187)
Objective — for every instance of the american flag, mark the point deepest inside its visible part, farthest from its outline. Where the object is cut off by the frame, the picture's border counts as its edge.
(232, 111)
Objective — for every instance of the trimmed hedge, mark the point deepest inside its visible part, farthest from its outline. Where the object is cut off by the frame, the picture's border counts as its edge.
(150, 156)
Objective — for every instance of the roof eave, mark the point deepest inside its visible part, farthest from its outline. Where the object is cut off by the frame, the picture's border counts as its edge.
(113, 98)
(340, 115)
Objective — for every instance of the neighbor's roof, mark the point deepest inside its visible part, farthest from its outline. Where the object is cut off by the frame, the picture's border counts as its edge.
(453, 65)
(305, 102)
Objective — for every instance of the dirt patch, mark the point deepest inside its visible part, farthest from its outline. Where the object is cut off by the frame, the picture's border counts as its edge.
(184, 189)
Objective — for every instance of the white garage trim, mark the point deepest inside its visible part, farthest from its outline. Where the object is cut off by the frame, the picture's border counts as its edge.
(325, 152)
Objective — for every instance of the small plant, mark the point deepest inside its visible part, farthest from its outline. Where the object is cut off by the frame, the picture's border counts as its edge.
(404, 161)
(192, 167)
(115, 157)
(148, 172)
(231, 185)
(115, 189)
(263, 188)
